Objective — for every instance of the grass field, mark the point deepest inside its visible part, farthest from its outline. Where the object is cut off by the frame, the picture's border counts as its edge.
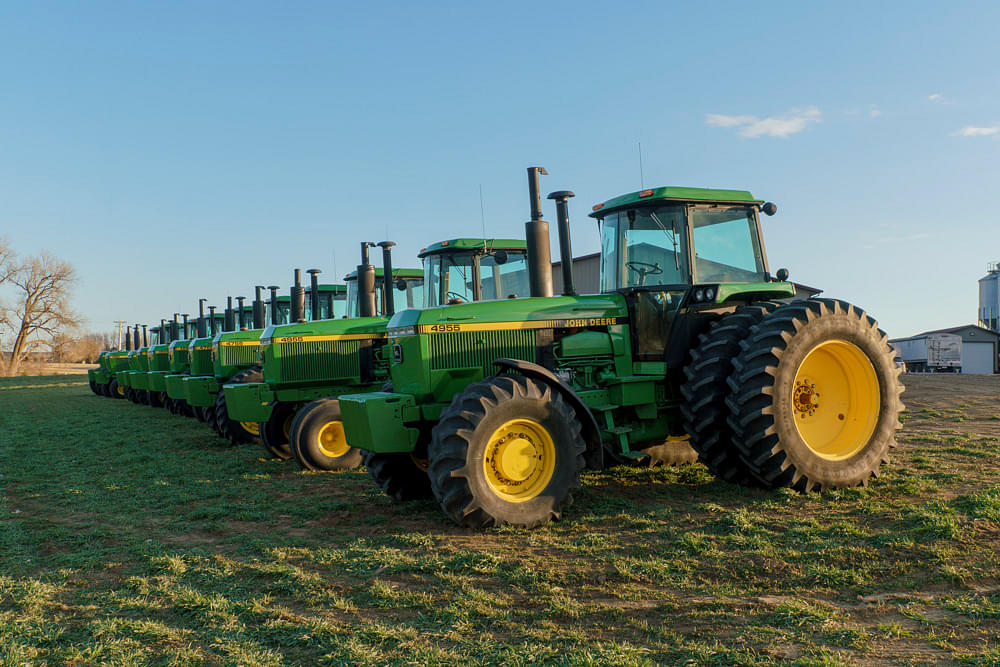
(128, 535)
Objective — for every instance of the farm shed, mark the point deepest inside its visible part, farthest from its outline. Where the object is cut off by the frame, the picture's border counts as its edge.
(978, 351)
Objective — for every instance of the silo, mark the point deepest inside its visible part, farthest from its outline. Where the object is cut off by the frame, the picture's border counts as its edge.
(989, 298)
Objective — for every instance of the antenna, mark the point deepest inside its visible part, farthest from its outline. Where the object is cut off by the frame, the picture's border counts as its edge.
(482, 209)
(642, 184)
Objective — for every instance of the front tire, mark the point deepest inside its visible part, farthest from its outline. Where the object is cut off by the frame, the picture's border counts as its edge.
(115, 390)
(508, 450)
(318, 441)
(237, 433)
(276, 431)
(815, 397)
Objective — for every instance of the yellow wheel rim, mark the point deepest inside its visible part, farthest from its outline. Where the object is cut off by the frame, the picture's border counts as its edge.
(520, 460)
(286, 426)
(835, 400)
(253, 428)
(120, 389)
(332, 440)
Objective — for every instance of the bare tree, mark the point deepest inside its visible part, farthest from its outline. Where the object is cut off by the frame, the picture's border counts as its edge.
(41, 309)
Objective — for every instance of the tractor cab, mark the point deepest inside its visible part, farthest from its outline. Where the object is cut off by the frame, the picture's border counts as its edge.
(407, 291)
(464, 270)
(672, 249)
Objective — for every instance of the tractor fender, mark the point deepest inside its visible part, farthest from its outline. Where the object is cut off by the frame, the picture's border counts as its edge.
(590, 431)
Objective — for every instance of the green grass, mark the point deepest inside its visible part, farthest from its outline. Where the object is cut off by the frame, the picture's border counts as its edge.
(130, 536)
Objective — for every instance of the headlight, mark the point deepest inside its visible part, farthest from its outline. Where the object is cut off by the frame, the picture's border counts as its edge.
(699, 294)
(709, 294)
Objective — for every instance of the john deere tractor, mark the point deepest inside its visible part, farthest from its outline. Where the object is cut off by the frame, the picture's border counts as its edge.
(306, 366)
(509, 401)
(304, 361)
(233, 354)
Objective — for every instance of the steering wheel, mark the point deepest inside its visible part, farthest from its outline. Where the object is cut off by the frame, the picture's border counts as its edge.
(456, 295)
(654, 269)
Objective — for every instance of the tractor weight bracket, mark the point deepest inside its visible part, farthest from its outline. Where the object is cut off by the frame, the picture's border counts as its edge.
(591, 432)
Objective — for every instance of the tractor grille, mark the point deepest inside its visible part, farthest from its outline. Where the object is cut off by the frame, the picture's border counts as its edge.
(480, 348)
(239, 355)
(201, 361)
(319, 360)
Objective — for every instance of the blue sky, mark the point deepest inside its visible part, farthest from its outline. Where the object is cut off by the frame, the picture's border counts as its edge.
(179, 150)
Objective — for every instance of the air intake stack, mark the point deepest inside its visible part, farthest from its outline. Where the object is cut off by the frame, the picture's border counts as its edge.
(561, 198)
(242, 317)
(388, 303)
(314, 292)
(274, 304)
(211, 321)
(229, 320)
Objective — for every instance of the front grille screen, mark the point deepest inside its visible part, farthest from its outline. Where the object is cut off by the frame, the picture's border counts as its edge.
(319, 360)
(479, 349)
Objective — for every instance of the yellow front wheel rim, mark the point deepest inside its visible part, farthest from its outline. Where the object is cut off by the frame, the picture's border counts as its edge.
(332, 440)
(121, 390)
(253, 428)
(836, 399)
(520, 460)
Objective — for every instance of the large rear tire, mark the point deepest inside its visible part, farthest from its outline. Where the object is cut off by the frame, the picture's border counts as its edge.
(508, 450)
(318, 441)
(156, 399)
(815, 397)
(703, 408)
(276, 431)
(237, 433)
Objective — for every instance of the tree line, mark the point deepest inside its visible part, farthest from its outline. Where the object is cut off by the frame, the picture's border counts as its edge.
(36, 319)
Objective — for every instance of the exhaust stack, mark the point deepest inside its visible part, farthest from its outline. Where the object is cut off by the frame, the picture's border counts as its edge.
(163, 333)
(128, 340)
(388, 303)
(258, 308)
(145, 338)
(366, 283)
(201, 318)
(536, 233)
(565, 245)
(229, 321)
(175, 329)
(274, 304)
(298, 294)
(314, 292)
(211, 321)
(242, 318)
(185, 336)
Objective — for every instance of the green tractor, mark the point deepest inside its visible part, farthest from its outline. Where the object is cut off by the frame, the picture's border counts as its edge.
(160, 360)
(124, 377)
(509, 401)
(307, 365)
(97, 378)
(181, 355)
(322, 352)
(233, 355)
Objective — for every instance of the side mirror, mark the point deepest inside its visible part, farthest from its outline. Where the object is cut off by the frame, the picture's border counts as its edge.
(781, 275)
(500, 257)
(401, 285)
(769, 208)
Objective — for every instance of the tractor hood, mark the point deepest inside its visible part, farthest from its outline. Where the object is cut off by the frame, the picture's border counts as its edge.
(528, 313)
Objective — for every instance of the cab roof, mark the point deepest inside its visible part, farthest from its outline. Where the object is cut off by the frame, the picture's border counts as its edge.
(417, 274)
(673, 193)
(452, 245)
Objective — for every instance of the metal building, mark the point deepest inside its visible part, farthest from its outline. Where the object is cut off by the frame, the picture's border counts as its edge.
(932, 350)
